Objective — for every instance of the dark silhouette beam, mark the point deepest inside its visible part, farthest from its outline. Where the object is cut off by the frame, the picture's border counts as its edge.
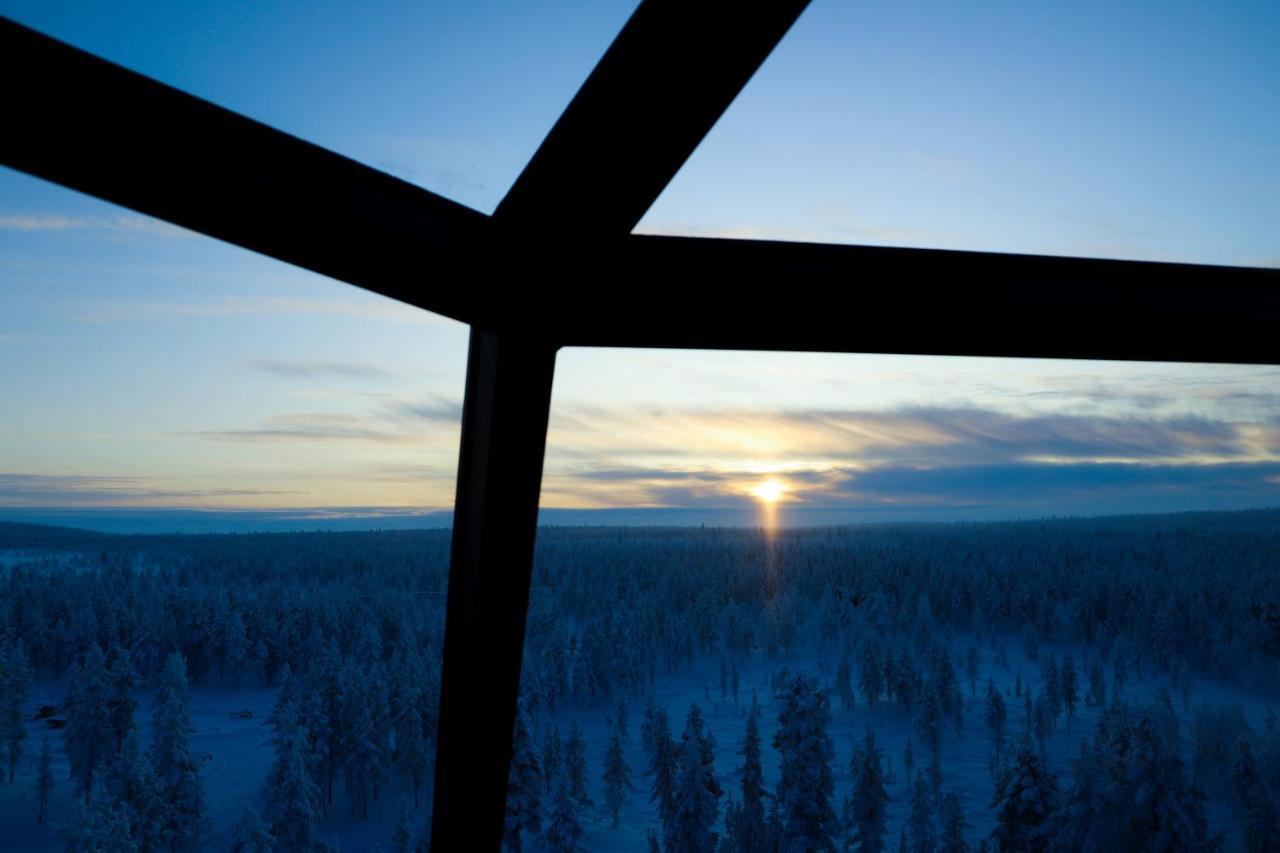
(666, 79)
(93, 126)
(504, 430)
(741, 294)
(668, 76)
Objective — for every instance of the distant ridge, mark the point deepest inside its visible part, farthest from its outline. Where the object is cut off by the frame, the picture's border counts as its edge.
(109, 528)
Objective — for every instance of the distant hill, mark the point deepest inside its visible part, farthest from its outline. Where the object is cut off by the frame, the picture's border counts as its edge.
(27, 535)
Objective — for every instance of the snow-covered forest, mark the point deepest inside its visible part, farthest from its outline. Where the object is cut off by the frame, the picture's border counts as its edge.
(1078, 684)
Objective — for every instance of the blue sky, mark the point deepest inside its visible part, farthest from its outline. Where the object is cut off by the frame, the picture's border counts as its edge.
(145, 366)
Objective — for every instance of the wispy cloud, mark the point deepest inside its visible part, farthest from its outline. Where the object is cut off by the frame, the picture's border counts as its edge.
(318, 426)
(80, 490)
(319, 369)
(657, 457)
(124, 224)
(116, 311)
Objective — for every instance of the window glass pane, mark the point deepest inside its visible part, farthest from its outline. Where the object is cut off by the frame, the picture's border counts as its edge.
(187, 393)
(1118, 130)
(978, 566)
(453, 96)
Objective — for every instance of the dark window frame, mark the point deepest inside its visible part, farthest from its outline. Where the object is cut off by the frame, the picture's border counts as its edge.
(663, 83)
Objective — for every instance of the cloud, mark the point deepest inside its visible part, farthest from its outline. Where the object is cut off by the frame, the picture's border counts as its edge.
(921, 435)
(436, 410)
(1024, 483)
(315, 426)
(81, 490)
(116, 311)
(122, 224)
(396, 423)
(930, 456)
(319, 369)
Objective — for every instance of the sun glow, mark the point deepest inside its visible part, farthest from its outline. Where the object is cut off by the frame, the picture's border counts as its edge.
(770, 491)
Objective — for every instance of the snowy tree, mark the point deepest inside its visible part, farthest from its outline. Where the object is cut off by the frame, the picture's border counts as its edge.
(575, 766)
(15, 682)
(131, 782)
(1097, 684)
(871, 673)
(928, 723)
(866, 808)
(524, 789)
(1052, 692)
(176, 769)
(44, 778)
(87, 736)
(1070, 687)
(403, 836)
(748, 830)
(366, 752)
(805, 786)
(122, 680)
(563, 827)
(663, 759)
(252, 835)
(996, 718)
(696, 803)
(413, 755)
(920, 820)
(102, 827)
(1026, 797)
(293, 805)
(1257, 803)
(551, 749)
(954, 825)
(617, 776)
(844, 681)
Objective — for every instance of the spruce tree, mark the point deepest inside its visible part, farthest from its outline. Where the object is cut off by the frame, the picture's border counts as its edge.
(617, 776)
(748, 830)
(806, 785)
(252, 835)
(131, 782)
(575, 766)
(87, 735)
(403, 837)
(176, 769)
(563, 827)
(1255, 799)
(413, 755)
(996, 718)
(15, 682)
(1070, 687)
(551, 751)
(696, 803)
(122, 680)
(44, 778)
(1026, 797)
(663, 759)
(866, 807)
(954, 825)
(525, 784)
(920, 819)
(293, 805)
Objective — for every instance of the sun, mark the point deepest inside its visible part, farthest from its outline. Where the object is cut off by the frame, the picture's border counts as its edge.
(770, 491)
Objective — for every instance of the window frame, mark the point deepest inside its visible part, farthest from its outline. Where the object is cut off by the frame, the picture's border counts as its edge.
(668, 76)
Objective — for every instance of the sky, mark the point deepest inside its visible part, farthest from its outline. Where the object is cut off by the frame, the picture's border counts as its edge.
(146, 367)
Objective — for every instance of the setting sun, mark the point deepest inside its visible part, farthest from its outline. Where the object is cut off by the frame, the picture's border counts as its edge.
(770, 491)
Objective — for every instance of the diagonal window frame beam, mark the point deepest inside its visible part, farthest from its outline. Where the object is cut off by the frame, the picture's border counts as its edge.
(661, 86)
